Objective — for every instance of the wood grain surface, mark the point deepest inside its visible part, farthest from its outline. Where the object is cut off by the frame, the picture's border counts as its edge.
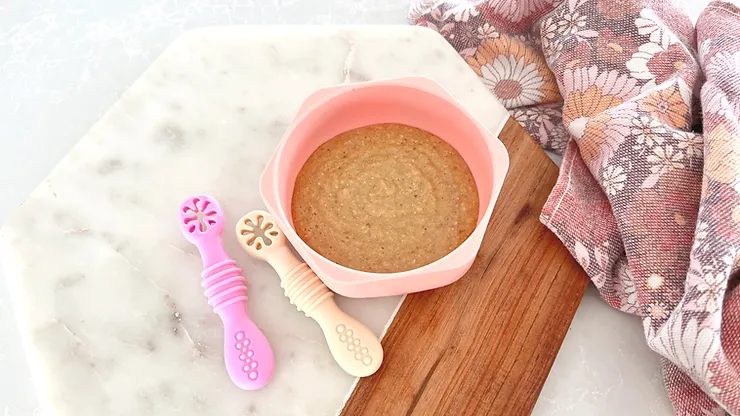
(485, 344)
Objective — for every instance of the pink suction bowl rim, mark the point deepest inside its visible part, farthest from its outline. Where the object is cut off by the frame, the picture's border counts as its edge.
(359, 284)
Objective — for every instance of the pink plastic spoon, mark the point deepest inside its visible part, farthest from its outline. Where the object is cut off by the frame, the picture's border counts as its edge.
(248, 356)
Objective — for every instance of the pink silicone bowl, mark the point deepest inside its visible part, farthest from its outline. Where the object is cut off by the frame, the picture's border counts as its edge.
(417, 102)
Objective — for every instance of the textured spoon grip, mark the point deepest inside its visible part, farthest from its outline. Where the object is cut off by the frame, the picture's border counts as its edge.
(248, 356)
(355, 348)
(304, 289)
(223, 284)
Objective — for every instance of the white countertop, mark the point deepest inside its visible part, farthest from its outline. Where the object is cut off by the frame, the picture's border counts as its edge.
(65, 63)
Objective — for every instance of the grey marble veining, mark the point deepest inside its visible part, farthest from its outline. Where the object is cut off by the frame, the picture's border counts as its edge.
(106, 289)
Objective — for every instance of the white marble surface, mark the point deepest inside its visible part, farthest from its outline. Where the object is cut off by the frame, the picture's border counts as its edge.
(64, 63)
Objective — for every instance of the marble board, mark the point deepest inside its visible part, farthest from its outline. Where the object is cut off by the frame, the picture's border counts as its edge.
(106, 289)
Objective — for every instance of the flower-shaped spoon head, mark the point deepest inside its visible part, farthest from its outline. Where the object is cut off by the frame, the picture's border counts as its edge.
(201, 218)
(257, 233)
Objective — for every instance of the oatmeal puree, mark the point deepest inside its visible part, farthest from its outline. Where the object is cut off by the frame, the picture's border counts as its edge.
(385, 198)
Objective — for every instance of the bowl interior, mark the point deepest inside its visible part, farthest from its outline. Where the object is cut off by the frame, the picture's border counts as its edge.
(376, 104)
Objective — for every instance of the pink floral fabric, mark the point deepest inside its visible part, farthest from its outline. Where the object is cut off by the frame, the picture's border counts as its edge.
(647, 203)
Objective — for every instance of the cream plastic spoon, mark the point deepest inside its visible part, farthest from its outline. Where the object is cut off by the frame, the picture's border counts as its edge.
(355, 348)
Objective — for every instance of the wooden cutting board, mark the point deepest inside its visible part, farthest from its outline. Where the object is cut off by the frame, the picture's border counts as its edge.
(485, 344)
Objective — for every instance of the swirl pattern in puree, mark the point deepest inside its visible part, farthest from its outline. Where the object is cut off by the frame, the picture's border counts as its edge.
(385, 198)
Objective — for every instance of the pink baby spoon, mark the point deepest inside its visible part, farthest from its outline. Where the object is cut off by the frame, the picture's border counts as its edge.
(248, 356)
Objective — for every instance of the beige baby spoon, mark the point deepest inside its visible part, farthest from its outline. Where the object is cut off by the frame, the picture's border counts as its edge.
(355, 348)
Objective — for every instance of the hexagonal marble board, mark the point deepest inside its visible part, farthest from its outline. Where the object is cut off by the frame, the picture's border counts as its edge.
(108, 291)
